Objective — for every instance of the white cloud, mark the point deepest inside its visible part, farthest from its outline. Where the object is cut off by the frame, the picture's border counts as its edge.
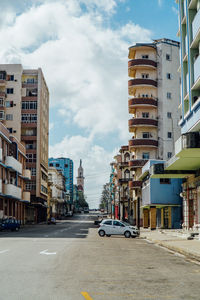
(160, 2)
(84, 63)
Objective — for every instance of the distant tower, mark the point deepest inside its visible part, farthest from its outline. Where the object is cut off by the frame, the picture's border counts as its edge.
(80, 178)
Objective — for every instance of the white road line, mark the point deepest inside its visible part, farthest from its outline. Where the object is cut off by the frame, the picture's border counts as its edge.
(44, 252)
(4, 251)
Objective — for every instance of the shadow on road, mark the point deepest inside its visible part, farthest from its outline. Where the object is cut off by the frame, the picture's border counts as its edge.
(74, 227)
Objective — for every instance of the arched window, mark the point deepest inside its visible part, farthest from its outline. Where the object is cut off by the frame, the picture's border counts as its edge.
(127, 174)
(127, 157)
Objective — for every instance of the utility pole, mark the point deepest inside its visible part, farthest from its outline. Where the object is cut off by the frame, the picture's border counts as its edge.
(119, 210)
(138, 212)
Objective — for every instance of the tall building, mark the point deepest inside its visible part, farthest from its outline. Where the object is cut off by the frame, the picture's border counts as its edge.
(80, 177)
(13, 196)
(154, 91)
(24, 110)
(186, 161)
(65, 165)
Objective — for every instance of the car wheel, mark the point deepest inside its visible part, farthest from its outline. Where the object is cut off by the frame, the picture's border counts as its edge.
(101, 233)
(127, 234)
(108, 235)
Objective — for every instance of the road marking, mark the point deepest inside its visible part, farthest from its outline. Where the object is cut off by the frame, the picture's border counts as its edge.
(4, 251)
(86, 296)
(44, 252)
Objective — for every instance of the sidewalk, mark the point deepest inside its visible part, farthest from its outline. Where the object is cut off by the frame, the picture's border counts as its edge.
(175, 240)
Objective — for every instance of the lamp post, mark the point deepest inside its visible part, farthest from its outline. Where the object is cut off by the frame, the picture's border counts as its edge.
(119, 210)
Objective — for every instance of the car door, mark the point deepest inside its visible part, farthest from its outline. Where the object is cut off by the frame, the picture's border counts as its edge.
(108, 226)
(118, 227)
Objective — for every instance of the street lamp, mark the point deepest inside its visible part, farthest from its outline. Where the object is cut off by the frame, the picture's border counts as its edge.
(119, 212)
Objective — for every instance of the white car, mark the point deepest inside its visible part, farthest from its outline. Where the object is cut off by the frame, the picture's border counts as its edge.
(110, 227)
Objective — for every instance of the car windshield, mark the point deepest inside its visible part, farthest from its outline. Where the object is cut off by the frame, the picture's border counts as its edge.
(125, 223)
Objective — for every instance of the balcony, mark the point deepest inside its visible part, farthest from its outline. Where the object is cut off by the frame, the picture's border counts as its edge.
(187, 153)
(26, 196)
(26, 84)
(197, 72)
(124, 180)
(137, 163)
(141, 102)
(12, 190)
(196, 28)
(147, 63)
(2, 82)
(26, 174)
(135, 184)
(13, 164)
(2, 94)
(137, 82)
(123, 164)
(141, 122)
(137, 143)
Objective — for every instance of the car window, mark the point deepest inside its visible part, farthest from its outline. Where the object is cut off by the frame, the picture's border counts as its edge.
(108, 223)
(116, 223)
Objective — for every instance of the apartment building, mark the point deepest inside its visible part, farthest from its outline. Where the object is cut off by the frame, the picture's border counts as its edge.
(65, 165)
(154, 93)
(14, 199)
(24, 98)
(186, 161)
(58, 193)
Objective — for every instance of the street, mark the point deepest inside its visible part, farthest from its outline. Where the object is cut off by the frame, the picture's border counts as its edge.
(70, 261)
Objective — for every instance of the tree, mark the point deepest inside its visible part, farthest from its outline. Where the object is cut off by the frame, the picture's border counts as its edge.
(81, 200)
(105, 197)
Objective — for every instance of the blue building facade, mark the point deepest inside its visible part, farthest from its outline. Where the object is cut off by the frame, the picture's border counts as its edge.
(161, 201)
(65, 165)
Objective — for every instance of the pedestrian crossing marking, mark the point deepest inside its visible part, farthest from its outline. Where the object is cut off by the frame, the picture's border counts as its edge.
(86, 296)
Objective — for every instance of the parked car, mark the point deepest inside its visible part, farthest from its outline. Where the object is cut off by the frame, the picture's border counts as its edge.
(52, 220)
(114, 227)
(86, 210)
(69, 214)
(10, 224)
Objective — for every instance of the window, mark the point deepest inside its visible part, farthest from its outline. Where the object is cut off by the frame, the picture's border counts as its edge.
(145, 115)
(29, 118)
(29, 105)
(1, 115)
(9, 103)
(31, 158)
(145, 155)
(145, 135)
(33, 171)
(108, 223)
(165, 181)
(30, 145)
(169, 154)
(66, 165)
(9, 117)
(31, 185)
(169, 115)
(30, 132)
(168, 57)
(169, 95)
(145, 56)
(169, 76)
(10, 91)
(145, 75)
(1, 102)
(10, 130)
(116, 223)
(43, 189)
(145, 95)
(51, 165)
(169, 135)
(127, 174)
(57, 165)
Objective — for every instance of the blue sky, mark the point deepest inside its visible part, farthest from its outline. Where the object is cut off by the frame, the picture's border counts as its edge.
(82, 48)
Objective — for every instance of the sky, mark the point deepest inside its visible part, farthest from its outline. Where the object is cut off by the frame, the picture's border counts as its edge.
(82, 48)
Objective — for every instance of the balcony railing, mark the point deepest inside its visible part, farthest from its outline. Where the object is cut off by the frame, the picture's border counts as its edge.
(135, 184)
(142, 62)
(142, 81)
(195, 24)
(13, 191)
(187, 141)
(13, 164)
(142, 122)
(143, 142)
(26, 196)
(123, 164)
(196, 68)
(137, 163)
(137, 102)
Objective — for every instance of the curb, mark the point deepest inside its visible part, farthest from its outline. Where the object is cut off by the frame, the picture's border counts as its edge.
(187, 254)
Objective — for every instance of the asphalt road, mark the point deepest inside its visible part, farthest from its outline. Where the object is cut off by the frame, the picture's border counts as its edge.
(70, 261)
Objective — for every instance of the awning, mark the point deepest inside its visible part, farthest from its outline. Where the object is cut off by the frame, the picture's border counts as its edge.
(160, 205)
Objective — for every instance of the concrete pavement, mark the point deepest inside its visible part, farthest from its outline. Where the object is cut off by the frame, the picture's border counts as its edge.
(175, 240)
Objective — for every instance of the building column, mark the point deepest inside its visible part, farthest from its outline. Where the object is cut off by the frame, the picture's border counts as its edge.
(153, 217)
